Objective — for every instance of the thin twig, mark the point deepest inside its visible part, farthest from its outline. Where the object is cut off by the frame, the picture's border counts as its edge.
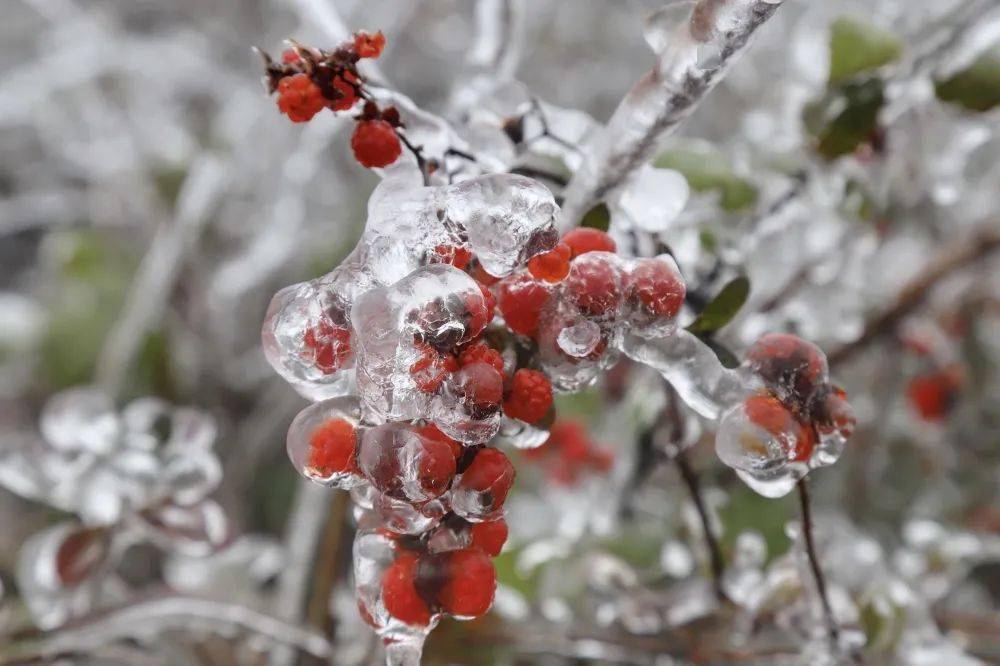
(326, 565)
(807, 532)
(693, 484)
(911, 296)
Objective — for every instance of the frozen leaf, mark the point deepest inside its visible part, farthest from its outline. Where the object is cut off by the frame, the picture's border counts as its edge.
(708, 170)
(857, 46)
(846, 117)
(598, 217)
(977, 87)
(721, 309)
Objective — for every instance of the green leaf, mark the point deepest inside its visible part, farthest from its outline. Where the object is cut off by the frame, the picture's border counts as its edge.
(846, 117)
(598, 217)
(708, 170)
(976, 88)
(726, 357)
(857, 46)
(721, 309)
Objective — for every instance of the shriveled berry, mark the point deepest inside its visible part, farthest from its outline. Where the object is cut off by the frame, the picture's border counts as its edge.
(584, 239)
(399, 592)
(657, 288)
(480, 352)
(330, 345)
(594, 284)
(332, 447)
(789, 365)
(530, 396)
(367, 45)
(521, 301)
(490, 536)
(552, 266)
(470, 581)
(489, 472)
(375, 144)
(834, 414)
(300, 98)
(348, 95)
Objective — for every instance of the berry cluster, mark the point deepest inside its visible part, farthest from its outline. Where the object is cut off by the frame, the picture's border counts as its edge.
(934, 389)
(569, 453)
(796, 421)
(435, 507)
(309, 80)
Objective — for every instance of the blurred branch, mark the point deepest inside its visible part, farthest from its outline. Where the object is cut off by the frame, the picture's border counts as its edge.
(953, 258)
(153, 616)
(159, 269)
(658, 103)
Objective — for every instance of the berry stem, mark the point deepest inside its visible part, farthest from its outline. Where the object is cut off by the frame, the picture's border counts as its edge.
(807, 531)
(693, 483)
(418, 154)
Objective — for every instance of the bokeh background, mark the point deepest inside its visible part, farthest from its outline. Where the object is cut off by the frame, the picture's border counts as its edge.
(152, 200)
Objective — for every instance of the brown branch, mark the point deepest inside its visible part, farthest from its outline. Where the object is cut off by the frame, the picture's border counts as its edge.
(911, 296)
(326, 565)
(807, 532)
(714, 551)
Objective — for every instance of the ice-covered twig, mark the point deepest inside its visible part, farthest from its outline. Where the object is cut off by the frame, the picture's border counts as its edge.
(912, 295)
(160, 268)
(692, 59)
(152, 617)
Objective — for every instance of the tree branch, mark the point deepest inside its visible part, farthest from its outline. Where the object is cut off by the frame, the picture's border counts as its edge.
(911, 296)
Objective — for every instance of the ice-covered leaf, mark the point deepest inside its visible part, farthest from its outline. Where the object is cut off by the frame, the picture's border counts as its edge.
(721, 309)
(857, 46)
(708, 170)
(598, 217)
(977, 87)
(846, 117)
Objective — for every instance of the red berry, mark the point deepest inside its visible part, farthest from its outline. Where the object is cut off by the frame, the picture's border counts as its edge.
(489, 537)
(348, 95)
(551, 266)
(300, 98)
(332, 447)
(480, 352)
(572, 440)
(470, 581)
(834, 413)
(481, 386)
(331, 345)
(399, 592)
(770, 414)
(657, 287)
(375, 143)
(490, 472)
(521, 302)
(932, 394)
(593, 284)
(530, 396)
(367, 45)
(431, 368)
(794, 368)
(290, 56)
(455, 255)
(431, 431)
(477, 315)
(583, 239)
(435, 466)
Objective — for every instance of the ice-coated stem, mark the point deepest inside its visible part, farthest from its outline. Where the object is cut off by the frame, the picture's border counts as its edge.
(665, 96)
(403, 653)
(693, 483)
(807, 532)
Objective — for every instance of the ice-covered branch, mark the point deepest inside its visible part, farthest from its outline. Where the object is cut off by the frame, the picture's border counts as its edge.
(154, 616)
(693, 55)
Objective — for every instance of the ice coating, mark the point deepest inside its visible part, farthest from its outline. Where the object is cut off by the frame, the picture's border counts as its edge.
(434, 307)
(313, 434)
(693, 369)
(503, 219)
